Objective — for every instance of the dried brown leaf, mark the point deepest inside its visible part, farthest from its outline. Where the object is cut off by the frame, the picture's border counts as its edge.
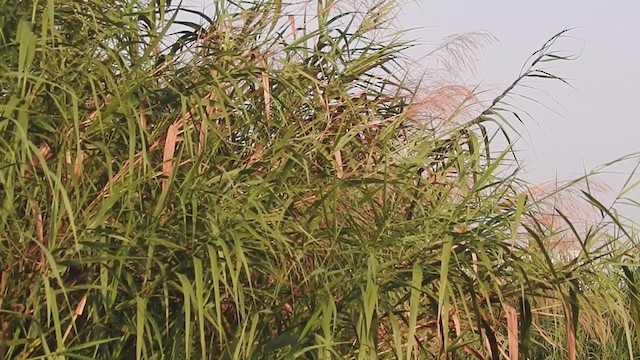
(169, 150)
(81, 305)
(257, 155)
(339, 169)
(512, 330)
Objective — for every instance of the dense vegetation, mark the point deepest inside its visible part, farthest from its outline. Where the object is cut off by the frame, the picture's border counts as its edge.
(276, 181)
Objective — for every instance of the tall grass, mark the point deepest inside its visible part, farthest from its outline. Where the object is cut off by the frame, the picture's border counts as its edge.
(269, 182)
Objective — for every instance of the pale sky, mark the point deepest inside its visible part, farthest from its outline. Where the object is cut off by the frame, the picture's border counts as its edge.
(588, 125)
(596, 121)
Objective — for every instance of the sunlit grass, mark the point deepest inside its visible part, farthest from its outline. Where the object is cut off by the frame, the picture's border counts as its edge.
(274, 183)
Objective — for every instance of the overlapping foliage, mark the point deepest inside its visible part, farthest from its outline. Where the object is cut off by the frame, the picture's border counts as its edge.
(268, 182)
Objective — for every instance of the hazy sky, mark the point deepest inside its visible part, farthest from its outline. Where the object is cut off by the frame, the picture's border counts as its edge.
(596, 121)
(590, 124)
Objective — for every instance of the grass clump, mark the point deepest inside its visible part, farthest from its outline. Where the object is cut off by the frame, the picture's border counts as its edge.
(266, 181)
